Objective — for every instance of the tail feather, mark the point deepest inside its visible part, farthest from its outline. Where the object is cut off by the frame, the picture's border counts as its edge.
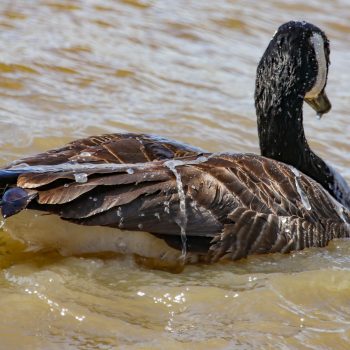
(14, 200)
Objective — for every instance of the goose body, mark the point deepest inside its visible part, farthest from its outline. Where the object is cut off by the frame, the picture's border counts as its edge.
(235, 204)
(196, 204)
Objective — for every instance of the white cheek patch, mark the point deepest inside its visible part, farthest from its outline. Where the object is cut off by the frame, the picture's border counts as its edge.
(318, 44)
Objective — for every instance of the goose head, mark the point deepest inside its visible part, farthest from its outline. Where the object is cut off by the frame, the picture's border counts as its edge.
(295, 64)
(293, 69)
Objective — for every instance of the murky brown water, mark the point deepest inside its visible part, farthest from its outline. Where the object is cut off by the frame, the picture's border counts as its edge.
(183, 69)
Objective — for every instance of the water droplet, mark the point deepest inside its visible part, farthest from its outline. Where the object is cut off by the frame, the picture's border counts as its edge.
(81, 178)
(85, 154)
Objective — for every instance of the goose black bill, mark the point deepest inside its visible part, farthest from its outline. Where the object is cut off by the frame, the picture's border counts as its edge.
(320, 103)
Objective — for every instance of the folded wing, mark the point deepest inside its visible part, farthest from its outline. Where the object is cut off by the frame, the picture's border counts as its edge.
(235, 205)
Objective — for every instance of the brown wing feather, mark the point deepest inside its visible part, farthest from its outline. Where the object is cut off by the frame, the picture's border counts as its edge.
(113, 148)
(71, 190)
(236, 205)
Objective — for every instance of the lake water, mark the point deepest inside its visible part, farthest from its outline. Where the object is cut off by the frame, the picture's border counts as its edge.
(183, 69)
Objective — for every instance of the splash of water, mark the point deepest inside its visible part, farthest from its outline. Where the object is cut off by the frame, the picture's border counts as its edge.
(80, 168)
(302, 194)
(182, 218)
(341, 211)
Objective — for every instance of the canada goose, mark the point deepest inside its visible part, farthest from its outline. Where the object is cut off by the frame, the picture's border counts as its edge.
(207, 206)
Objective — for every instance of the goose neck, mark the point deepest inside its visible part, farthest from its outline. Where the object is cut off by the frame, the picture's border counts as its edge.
(281, 131)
